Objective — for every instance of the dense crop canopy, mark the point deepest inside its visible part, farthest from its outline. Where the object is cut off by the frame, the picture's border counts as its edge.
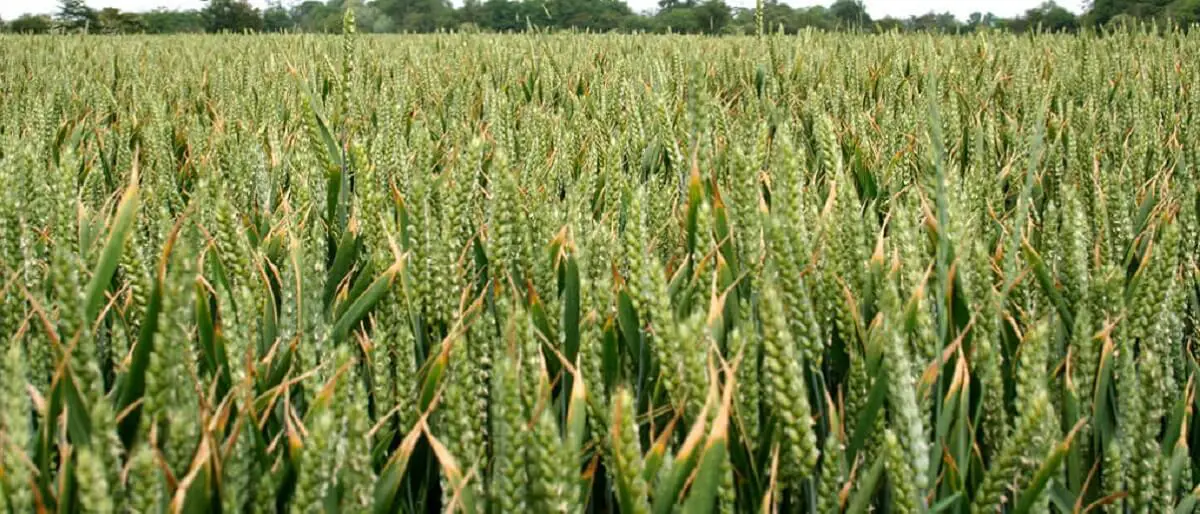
(637, 274)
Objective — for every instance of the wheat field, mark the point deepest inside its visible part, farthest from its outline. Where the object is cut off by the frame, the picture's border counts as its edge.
(546, 273)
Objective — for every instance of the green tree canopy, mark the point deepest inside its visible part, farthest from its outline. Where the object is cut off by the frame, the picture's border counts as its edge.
(111, 20)
(231, 16)
(417, 15)
(75, 15)
(685, 16)
(593, 15)
(166, 21)
(850, 13)
(31, 24)
(1051, 17)
(276, 18)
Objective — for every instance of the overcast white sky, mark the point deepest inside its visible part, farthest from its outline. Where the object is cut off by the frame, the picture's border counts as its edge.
(10, 9)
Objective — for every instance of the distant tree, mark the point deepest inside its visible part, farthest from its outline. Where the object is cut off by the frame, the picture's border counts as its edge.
(1184, 12)
(712, 16)
(979, 21)
(946, 22)
(776, 15)
(709, 17)
(418, 15)
(1101, 12)
(111, 20)
(470, 12)
(31, 24)
(108, 21)
(165, 21)
(850, 13)
(1123, 22)
(315, 16)
(638, 22)
(276, 18)
(684, 16)
(816, 17)
(232, 16)
(75, 15)
(666, 5)
(934, 22)
(677, 19)
(371, 19)
(888, 24)
(974, 20)
(510, 15)
(499, 15)
(383, 24)
(592, 15)
(1050, 17)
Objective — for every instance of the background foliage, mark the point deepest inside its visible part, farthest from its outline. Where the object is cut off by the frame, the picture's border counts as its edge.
(678, 16)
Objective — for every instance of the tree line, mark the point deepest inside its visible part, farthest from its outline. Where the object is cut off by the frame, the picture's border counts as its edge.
(679, 16)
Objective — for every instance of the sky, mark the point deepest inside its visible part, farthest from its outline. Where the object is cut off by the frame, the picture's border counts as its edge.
(10, 9)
